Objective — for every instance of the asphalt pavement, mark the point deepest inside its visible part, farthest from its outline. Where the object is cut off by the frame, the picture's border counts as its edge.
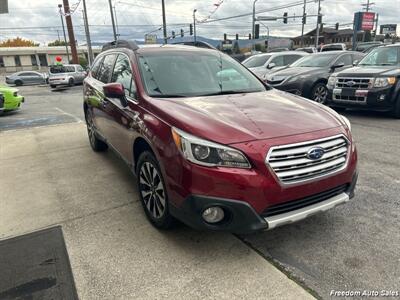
(352, 247)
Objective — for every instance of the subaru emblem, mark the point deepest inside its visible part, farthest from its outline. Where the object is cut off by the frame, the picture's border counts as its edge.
(315, 153)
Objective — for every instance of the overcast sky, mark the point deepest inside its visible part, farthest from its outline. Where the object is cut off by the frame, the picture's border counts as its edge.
(39, 19)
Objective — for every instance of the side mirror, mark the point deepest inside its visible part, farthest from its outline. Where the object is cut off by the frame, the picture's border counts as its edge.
(355, 63)
(338, 65)
(271, 66)
(115, 90)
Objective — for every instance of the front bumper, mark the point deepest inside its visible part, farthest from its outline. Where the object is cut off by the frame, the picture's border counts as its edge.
(241, 218)
(14, 103)
(376, 98)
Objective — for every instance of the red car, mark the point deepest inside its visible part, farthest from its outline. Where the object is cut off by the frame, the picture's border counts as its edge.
(212, 145)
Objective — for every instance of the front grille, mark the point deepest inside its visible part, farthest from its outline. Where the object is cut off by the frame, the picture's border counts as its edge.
(355, 83)
(293, 163)
(350, 98)
(303, 202)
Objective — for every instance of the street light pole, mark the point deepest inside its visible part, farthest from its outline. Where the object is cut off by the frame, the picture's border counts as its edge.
(164, 22)
(65, 36)
(318, 24)
(87, 32)
(253, 29)
(194, 24)
(112, 20)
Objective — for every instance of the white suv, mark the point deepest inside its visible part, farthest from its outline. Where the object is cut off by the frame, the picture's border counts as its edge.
(66, 75)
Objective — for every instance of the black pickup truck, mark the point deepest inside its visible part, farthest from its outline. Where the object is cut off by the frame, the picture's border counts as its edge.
(374, 83)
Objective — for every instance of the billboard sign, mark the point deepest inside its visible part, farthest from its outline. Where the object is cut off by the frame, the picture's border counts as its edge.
(150, 39)
(367, 21)
(3, 6)
(388, 29)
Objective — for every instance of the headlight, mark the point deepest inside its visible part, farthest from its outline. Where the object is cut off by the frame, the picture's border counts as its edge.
(384, 81)
(208, 153)
(346, 121)
(332, 80)
(15, 94)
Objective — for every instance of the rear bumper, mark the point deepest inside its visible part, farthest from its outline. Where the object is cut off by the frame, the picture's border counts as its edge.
(241, 218)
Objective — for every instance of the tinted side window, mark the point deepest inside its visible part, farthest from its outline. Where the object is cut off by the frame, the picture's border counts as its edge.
(345, 59)
(289, 59)
(106, 69)
(278, 61)
(96, 67)
(123, 74)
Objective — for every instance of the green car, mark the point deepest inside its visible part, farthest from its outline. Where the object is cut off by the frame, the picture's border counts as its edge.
(12, 100)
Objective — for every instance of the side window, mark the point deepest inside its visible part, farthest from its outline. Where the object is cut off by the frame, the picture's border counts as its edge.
(278, 61)
(289, 59)
(123, 74)
(96, 67)
(106, 69)
(345, 59)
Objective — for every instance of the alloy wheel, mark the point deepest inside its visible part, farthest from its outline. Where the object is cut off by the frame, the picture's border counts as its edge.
(90, 129)
(152, 190)
(320, 94)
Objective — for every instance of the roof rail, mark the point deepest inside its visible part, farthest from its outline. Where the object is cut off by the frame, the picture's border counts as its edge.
(120, 44)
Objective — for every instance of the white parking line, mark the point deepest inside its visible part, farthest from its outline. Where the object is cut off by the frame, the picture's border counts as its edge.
(68, 114)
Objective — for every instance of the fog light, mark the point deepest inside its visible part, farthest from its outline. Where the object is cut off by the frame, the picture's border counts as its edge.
(213, 214)
(382, 97)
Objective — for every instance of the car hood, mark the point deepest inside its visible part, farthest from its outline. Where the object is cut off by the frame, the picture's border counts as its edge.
(6, 89)
(370, 71)
(237, 118)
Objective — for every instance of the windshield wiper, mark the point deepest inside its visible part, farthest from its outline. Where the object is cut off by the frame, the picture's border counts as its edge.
(229, 92)
(169, 96)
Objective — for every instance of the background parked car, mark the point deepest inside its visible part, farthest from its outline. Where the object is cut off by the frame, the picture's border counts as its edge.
(12, 100)
(334, 47)
(26, 77)
(308, 50)
(262, 64)
(308, 76)
(365, 46)
(373, 84)
(66, 75)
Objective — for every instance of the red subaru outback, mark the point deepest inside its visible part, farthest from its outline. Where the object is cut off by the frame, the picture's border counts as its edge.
(211, 144)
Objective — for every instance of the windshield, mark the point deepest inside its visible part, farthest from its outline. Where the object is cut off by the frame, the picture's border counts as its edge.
(187, 74)
(256, 61)
(61, 69)
(315, 60)
(382, 56)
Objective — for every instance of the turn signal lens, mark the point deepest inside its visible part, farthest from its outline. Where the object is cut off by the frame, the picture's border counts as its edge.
(177, 139)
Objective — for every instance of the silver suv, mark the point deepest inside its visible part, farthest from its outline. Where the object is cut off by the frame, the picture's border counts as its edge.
(66, 75)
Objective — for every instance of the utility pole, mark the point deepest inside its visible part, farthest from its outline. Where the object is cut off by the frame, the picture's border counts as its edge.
(164, 22)
(88, 41)
(70, 29)
(65, 36)
(318, 24)
(194, 24)
(302, 25)
(112, 20)
(253, 27)
(367, 5)
(58, 34)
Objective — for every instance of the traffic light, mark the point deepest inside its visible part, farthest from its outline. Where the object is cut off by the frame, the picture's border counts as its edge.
(237, 36)
(191, 29)
(337, 26)
(304, 21)
(182, 33)
(173, 34)
(285, 15)
(249, 36)
(319, 19)
(257, 31)
(225, 37)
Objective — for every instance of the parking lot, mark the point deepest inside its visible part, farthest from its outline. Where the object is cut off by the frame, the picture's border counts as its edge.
(51, 176)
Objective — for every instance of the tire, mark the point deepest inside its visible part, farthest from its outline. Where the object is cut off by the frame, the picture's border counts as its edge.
(319, 93)
(18, 82)
(152, 192)
(96, 144)
(71, 82)
(396, 110)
